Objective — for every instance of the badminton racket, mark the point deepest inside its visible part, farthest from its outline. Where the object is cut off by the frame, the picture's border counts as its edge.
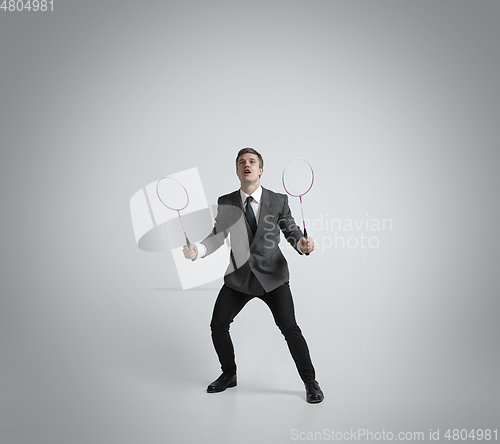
(173, 195)
(298, 179)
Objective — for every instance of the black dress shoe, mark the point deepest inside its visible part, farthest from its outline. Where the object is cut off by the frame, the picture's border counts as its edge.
(313, 392)
(222, 383)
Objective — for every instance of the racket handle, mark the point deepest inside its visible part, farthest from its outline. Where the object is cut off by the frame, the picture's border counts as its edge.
(305, 235)
(188, 244)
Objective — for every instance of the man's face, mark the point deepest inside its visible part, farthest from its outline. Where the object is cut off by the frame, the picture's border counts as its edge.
(248, 170)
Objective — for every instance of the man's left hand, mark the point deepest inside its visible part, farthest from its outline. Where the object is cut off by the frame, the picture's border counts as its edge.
(306, 245)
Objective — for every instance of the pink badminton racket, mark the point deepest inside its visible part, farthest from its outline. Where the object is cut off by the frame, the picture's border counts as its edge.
(174, 196)
(298, 179)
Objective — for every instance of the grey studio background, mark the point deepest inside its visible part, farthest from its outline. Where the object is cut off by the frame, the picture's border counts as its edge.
(396, 105)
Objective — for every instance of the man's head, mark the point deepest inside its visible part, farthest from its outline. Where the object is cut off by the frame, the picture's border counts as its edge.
(249, 166)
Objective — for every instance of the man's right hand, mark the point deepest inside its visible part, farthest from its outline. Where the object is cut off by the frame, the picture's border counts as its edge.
(190, 252)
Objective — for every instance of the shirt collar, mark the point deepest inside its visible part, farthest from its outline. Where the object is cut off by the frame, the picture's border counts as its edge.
(257, 195)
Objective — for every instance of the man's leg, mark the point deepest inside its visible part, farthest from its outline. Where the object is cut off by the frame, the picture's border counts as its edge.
(228, 304)
(281, 304)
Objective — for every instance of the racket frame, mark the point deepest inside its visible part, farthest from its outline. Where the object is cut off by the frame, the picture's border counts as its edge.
(175, 209)
(299, 195)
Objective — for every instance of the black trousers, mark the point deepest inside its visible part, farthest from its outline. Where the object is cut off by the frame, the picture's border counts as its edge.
(230, 302)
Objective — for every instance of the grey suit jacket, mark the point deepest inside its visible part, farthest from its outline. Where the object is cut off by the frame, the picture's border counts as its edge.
(257, 264)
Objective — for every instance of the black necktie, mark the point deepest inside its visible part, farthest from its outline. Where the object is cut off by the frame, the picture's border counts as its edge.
(250, 215)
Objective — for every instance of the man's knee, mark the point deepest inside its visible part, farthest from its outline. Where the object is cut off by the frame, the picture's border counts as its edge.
(288, 327)
(219, 325)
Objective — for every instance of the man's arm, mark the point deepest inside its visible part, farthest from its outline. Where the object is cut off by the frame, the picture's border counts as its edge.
(213, 241)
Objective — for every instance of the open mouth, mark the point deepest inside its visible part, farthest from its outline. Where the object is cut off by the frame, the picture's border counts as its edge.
(247, 172)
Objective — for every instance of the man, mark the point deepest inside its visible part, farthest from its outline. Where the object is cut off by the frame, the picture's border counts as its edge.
(253, 217)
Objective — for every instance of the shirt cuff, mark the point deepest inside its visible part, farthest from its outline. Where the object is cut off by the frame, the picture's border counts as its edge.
(202, 250)
(297, 247)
